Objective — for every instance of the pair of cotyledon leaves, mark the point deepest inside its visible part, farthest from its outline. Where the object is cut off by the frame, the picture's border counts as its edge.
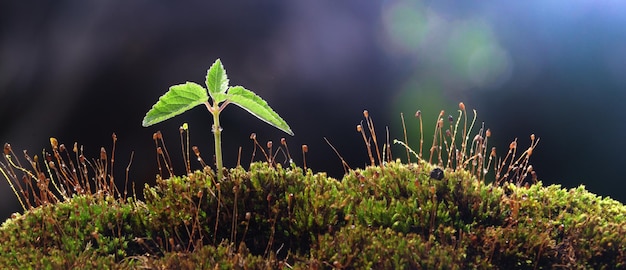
(183, 97)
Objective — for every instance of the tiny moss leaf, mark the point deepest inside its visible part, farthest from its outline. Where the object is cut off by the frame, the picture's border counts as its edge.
(177, 100)
(258, 107)
(217, 81)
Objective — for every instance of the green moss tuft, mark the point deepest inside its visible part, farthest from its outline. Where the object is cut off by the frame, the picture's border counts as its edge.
(381, 217)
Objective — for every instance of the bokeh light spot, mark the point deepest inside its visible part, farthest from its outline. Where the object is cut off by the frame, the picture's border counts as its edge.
(489, 66)
(475, 55)
(406, 24)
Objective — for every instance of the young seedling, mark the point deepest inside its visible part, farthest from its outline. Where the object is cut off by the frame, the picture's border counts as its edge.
(183, 97)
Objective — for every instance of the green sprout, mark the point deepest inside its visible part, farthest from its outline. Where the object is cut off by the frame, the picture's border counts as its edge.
(182, 97)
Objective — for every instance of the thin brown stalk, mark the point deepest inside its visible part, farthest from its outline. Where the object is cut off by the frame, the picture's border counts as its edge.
(406, 141)
(346, 167)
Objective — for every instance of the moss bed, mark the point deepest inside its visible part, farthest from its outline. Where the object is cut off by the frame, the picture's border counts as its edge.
(393, 216)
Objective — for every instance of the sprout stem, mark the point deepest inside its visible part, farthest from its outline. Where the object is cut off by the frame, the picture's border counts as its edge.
(217, 133)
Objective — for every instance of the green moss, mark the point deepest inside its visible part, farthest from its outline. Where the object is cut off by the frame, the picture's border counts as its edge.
(382, 217)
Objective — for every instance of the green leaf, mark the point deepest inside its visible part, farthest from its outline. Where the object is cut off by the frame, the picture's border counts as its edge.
(177, 100)
(255, 105)
(217, 81)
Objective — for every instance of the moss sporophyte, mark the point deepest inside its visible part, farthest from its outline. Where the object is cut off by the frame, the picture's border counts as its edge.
(459, 206)
(183, 97)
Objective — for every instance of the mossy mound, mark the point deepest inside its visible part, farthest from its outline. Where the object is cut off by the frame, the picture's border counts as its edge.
(385, 217)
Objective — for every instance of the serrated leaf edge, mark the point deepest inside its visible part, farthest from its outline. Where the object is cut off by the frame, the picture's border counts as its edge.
(273, 118)
(217, 72)
(149, 119)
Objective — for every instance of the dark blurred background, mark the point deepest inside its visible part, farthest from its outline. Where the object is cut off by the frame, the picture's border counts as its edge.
(81, 70)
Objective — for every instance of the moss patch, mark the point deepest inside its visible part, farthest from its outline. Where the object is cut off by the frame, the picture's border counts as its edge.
(381, 217)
